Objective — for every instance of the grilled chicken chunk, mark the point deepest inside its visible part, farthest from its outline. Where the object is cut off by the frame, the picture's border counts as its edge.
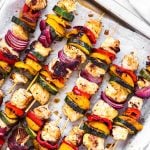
(39, 48)
(119, 133)
(75, 136)
(19, 78)
(86, 86)
(111, 45)
(130, 62)
(102, 109)
(51, 132)
(69, 5)
(135, 102)
(19, 32)
(94, 70)
(40, 94)
(95, 26)
(93, 142)
(74, 53)
(21, 98)
(42, 112)
(69, 112)
(117, 92)
(36, 4)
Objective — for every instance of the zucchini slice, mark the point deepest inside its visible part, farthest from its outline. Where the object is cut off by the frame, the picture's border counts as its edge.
(49, 87)
(31, 133)
(99, 63)
(145, 74)
(38, 56)
(63, 13)
(121, 82)
(80, 44)
(74, 106)
(93, 131)
(8, 121)
(125, 124)
(21, 23)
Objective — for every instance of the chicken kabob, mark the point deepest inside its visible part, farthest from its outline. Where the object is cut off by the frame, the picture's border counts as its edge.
(52, 28)
(99, 123)
(16, 40)
(21, 98)
(56, 73)
(127, 123)
(78, 101)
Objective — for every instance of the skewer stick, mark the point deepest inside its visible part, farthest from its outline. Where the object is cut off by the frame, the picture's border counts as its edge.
(12, 88)
(28, 88)
(115, 145)
(65, 125)
(80, 124)
(101, 16)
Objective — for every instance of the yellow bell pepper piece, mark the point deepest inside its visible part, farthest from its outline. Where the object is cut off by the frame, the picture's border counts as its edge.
(124, 76)
(10, 114)
(71, 33)
(48, 77)
(65, 146)
(100, 126)
(101, 57)
(81, 101)
(148, 68)
(5, 66)
(86, 40)
(33, 64)
(32, 125)
(132, 121)
(58, 28)
(25, 66)
(59, 20)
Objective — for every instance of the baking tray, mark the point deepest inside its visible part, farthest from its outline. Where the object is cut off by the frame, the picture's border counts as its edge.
(130, 41)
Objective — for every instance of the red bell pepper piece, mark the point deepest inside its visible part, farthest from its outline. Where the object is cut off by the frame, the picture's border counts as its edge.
(6, 59)
(109, 54)
(45, 143)
(81, 93)
(25, 8)
(88, 32)
(34, 118)
(129, 72)
(103, 120)
(133, 113)
(31, 56)
(2, 141)
(72, 146)
(19, 112)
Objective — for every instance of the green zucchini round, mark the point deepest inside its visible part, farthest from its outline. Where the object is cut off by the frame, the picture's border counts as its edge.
(63, 13)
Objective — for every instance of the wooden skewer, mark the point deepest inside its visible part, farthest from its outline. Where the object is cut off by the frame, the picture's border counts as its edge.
(80, 124)
(65, 125)
(113, 145)
(12, 88)
(101, 16)
(28, 88)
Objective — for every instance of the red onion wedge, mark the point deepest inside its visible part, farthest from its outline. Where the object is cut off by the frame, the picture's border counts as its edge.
(42, 25)
(70, 63)
(143, 93)
(85, 74)
(43, 40)
(46, 32)
(110, 102)
(3, 131)
(14, 42)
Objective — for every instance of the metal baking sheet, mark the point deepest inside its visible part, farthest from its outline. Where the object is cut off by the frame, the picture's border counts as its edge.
(130, 41)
